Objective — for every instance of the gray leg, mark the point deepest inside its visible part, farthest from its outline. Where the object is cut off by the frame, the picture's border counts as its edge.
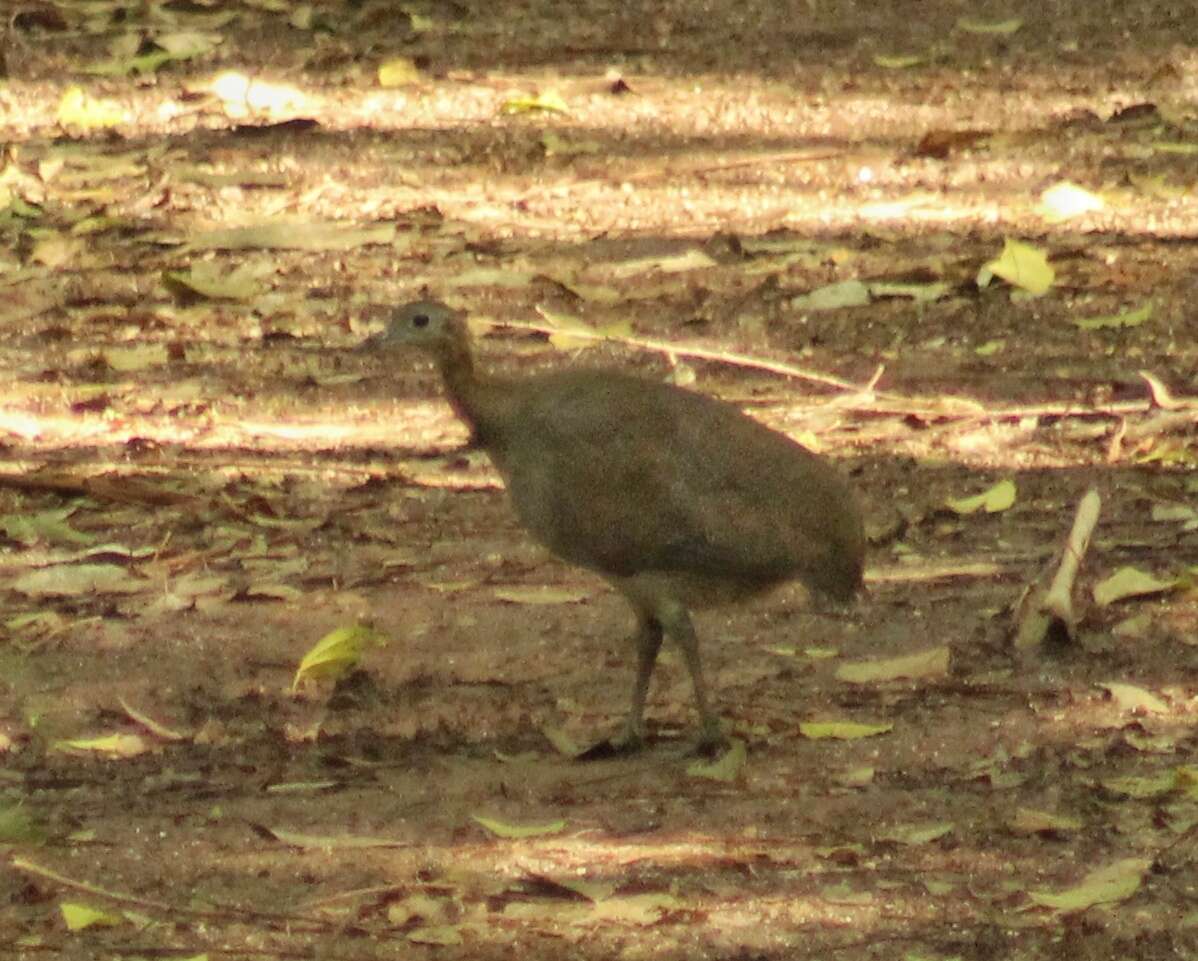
(677, 622)
(648, 642)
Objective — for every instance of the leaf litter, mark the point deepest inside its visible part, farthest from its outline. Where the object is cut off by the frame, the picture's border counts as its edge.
(155, 415)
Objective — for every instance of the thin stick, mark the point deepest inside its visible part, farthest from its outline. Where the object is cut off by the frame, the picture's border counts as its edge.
(1040, 610)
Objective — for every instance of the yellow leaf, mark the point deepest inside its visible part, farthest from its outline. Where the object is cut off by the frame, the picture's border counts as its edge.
(999, 27)
(503, 830)
(113, 745)
(1143, 788)
(336, 653)
(1128, 697)
(918, 833)
(897, 61)
(1020, 265)
(550, 101)
(77, 109)
(399, 72)
(542, 594)
(1115, 882)
(1128, 318)
(1177, 149)
(441, 934)
(724, 768)
(1000, 497)
(1031, 821)
(1129, 582)
(841, 730)
(561, 741)
(932, 662)
(80, 916)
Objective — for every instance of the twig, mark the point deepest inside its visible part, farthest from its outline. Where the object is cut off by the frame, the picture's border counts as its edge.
(1041, 611)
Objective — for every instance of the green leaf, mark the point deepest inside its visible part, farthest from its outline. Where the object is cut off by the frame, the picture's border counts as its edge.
(75, 580)
(46, 526)
(18, 827)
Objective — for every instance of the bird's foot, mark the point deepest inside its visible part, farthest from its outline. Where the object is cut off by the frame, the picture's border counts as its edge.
(712, 742)
(626, 744)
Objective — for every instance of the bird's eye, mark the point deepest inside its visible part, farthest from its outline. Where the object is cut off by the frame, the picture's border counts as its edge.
(420, 320)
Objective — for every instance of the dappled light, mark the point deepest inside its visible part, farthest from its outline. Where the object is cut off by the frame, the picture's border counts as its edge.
(286, 672)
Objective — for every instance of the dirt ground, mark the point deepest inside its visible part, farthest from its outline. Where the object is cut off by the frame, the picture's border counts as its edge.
(789, 205)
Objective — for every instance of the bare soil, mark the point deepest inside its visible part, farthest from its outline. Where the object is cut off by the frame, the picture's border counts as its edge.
(200, 480)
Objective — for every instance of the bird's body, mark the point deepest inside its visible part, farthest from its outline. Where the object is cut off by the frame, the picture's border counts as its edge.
(679, 500)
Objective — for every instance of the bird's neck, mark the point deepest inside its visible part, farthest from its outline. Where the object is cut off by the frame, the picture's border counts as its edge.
(479, 400)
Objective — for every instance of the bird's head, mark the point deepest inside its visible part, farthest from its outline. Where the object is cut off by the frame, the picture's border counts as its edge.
(425, 323)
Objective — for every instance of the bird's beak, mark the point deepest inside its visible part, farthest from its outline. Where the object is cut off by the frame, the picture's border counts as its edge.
(375, 341)
(369, 345)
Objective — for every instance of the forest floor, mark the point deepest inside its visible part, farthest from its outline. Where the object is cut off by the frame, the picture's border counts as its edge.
(801, 208)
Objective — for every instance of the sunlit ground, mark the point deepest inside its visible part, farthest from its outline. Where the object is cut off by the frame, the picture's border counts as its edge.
(201, 480)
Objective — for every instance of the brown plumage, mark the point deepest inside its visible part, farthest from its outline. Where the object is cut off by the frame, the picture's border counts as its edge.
(680, 501)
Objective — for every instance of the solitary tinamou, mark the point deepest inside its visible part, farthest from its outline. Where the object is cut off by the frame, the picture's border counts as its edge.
(678, 500)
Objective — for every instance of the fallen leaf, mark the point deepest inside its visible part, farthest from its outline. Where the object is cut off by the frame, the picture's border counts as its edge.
(841, 730)
(932, 662)
(112, 745)
(79, 917)
(917, 833)
(1020, 265)
(1129, 582)
(1134, 699)
(337, 653)
(998, 498)
(399, 72)
(847, 293)
(74, 580)
(724, 768)
(502, 829)
(550, 101)
(77, 109)
(989, 27)
(1128, 318)
(540, 595)
(1115, 882)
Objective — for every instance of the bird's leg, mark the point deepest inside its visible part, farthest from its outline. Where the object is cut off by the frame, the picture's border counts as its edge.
(648, 642)
(677, 622)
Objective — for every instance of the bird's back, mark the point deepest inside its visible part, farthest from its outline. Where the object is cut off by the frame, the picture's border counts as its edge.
(628, 477)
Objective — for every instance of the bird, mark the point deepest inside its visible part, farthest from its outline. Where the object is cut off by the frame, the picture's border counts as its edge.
(679, 500)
